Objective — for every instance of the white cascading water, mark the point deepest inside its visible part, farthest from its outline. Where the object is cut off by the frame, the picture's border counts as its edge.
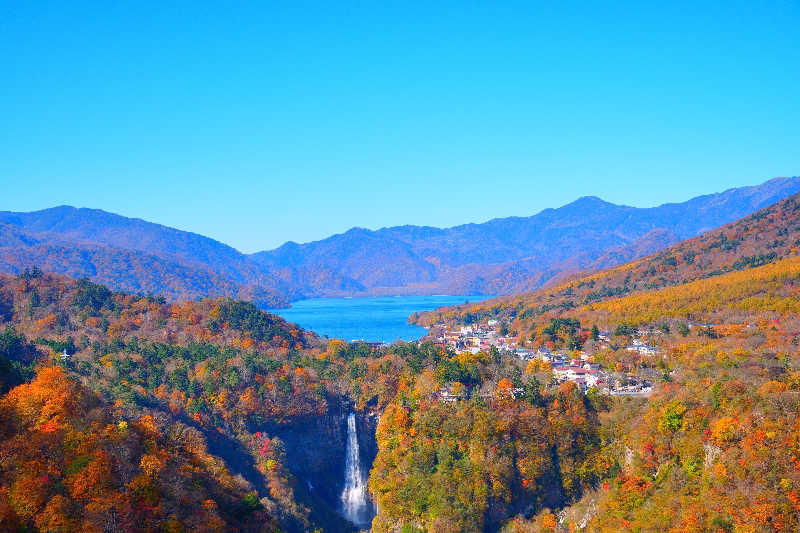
(355, 505)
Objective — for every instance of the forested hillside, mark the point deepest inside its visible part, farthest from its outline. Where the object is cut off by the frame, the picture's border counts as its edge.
(72, 462)
(124, 411)
(713, 447)
(126, 420)
(254, 399)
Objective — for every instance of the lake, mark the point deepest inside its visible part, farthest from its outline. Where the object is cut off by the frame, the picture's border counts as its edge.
(380, 319)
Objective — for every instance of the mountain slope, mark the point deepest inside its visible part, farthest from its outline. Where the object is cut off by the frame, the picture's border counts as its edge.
(132, 255)
(73, 465)
(100, 227)
(714, 446)
(512, 254)
(198, 370)
(765, 236)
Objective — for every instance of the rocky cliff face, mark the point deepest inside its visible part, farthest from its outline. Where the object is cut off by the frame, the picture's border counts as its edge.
(316, 452)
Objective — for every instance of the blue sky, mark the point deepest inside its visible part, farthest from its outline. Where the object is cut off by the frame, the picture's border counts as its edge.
(295, 120)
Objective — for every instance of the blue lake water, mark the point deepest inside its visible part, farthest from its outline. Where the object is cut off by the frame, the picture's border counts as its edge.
(382, 319)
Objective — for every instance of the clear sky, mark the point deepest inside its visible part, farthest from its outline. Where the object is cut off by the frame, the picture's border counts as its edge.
(295, 120)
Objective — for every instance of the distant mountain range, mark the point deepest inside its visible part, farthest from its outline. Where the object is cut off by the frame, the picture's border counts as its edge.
(766, 236)
(501, 256)
(133, 255)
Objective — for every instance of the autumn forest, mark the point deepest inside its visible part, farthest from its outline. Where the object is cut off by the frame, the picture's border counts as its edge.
(129, 412)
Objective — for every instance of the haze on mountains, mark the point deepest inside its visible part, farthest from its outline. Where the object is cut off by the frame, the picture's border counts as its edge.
(501, 256)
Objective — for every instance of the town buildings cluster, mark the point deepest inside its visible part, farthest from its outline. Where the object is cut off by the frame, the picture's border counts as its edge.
(576, 367)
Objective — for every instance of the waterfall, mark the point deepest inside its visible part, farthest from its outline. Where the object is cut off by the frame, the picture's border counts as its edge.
(356, 506)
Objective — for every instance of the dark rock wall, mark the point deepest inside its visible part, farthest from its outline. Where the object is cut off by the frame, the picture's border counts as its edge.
(315, 452)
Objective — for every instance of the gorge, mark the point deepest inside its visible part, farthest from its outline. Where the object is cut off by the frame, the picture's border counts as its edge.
(330, 457)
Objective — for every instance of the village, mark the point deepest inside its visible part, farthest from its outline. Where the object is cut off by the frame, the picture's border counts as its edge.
(576, 366)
